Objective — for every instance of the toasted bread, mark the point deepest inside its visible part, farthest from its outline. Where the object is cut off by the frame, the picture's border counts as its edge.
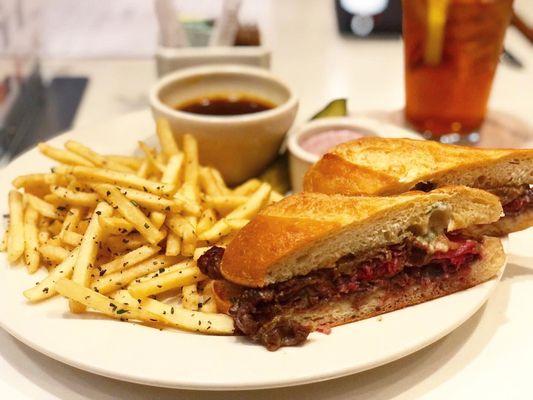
(377, 166)
(309, 231)
(224, 293)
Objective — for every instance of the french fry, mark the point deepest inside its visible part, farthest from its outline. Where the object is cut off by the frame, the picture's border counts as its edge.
(42, 207)
(24, 181)
(165, 282)
(158, 203)
(119, 279)
(184, 227)
(157, 218)
(236, 224)
(225, 204)
(130, 212)
(275, 197)
(55, 254)
(31, 239)
(89, 298)
(81, 199)
(219, 181)
(166, 138)
(144, 169)
(95, 158)
(247, 188)
(76, 185)
(81, 226)
(44, 236)
(88, 251)
(165, 270)
(206, 221)
(216, 232)
(63, 156)
(173, 247)
(132, 162)
(38, 190)
(101, 175)
(15, 244)
(71, 220)
(55, 227)
(208, 303)
(149, 153)
(199, 252)
(46, 288)
(72, 238)
(172, 170)
(189, 236)
(128, 260)
(160, 157)
(245, 211)
(179, 317)
(116, 225)
(190, 150)
(27, 181)
(190, 297)
(207, 182)
(120, 244)
(52, 199)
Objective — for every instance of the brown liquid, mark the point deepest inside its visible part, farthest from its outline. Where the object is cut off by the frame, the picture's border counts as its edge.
(225, 105)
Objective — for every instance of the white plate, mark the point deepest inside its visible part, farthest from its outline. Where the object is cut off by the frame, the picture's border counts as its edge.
(177, 359)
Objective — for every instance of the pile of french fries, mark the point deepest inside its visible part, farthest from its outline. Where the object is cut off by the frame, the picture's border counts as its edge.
(121, 235)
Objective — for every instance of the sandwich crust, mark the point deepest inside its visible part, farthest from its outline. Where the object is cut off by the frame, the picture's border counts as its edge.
(309, 231)
(377, 166)
(504, 226)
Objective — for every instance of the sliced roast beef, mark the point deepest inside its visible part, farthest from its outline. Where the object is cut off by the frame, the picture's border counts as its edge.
(256, 312)
(514, 199)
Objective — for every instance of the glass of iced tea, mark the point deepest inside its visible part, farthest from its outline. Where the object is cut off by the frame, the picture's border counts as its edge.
(451, 51)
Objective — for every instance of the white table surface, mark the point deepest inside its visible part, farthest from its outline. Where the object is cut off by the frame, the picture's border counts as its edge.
(489, 357)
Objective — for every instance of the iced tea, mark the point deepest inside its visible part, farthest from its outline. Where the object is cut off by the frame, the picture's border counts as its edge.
(448, 75)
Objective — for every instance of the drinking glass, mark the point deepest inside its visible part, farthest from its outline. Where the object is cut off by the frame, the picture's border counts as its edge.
(451, 50)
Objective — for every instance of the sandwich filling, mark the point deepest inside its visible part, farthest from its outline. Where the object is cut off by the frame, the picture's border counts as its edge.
(268, 315)
(515, 199)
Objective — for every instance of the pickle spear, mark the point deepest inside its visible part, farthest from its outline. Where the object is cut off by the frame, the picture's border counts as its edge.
(335, 108)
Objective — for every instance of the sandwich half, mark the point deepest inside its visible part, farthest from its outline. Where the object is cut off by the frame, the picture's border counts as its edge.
(379, 167)
(313, 261)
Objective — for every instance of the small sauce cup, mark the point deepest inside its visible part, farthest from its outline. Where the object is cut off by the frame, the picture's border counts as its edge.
(308, 143)
(239, 146)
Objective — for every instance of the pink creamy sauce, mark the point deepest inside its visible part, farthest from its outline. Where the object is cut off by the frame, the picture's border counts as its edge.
(320, 142)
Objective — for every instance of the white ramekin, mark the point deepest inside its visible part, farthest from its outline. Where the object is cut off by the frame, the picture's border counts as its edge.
(300, 160)
(240, 146)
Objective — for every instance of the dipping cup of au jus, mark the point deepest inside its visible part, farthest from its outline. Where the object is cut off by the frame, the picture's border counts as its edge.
(238, 114)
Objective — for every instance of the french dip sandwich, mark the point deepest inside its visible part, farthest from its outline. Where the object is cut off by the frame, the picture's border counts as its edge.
(313, 261)
(375, 166)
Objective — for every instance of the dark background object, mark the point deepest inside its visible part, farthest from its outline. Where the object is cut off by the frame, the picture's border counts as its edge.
(385, 23)
(40, 112)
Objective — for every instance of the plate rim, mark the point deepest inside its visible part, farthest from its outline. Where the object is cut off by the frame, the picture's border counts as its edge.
(269, 383)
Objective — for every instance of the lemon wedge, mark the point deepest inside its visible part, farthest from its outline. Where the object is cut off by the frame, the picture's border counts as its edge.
(436, 22)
